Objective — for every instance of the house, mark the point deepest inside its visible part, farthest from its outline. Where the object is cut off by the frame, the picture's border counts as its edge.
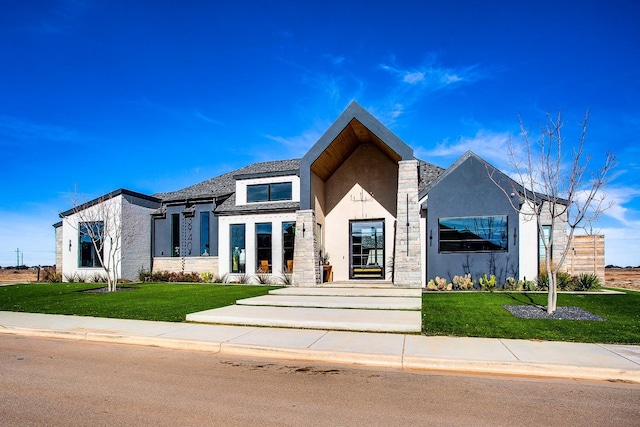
(358, 199)
(112, 230)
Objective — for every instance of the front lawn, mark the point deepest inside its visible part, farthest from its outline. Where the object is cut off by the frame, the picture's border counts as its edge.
(480, 314)
(149, 301)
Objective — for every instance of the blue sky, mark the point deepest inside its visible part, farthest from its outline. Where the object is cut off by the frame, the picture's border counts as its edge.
(156, 95)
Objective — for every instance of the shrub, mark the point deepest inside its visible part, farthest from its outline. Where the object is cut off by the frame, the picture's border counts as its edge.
(565, 281)
(184, 277)
(587, 282)
(511, 284)
(50, 275)
(463, 282)
(487, 283)
(286, 279)
(439, 284)
(241, 279)
(263, 278)
(98, 278)
(144, 275)
(542, 281)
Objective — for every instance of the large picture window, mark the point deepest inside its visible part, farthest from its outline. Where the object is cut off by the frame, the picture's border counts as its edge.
(473, 234)
(288, 245)
(90, 232)
(238, 249)
(263, 247)
(269, 192)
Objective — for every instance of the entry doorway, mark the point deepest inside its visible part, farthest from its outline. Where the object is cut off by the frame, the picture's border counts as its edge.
(366, 249)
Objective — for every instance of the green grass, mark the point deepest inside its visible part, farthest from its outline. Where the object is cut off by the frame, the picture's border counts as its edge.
(482, 315)
(149, 301)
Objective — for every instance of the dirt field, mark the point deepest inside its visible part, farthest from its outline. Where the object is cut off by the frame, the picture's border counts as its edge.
(626, 278)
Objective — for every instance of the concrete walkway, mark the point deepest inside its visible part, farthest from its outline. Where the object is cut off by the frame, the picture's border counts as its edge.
(399, 351)
(335, 308)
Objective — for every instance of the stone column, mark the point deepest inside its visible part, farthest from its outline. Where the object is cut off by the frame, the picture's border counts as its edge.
(306, 258)
(408, 257)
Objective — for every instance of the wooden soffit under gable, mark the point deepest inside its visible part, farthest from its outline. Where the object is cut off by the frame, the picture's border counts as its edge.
(344, 144)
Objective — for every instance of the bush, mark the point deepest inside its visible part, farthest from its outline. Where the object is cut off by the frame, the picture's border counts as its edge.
(565, 281)
(487, 283)
(50, 275)
(542, 281)
(263, 278)
(511, 284)
(439, 284)
(587, 282)
(463, 282)
(184, 277)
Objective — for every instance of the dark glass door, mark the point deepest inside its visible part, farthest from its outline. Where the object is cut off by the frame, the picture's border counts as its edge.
(367, 249)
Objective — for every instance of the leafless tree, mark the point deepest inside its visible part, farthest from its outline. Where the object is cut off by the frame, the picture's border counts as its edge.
(103, 222)
(556, 187)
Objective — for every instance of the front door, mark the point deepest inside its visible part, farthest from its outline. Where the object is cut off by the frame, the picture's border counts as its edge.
(366, 249)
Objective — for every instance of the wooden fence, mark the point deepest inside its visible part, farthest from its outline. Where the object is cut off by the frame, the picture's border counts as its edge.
(586, 255)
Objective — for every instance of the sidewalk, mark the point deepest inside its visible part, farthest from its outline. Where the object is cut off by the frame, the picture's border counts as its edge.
(397, 351)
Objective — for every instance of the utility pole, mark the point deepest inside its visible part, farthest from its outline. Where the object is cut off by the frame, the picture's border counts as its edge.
(18, 257)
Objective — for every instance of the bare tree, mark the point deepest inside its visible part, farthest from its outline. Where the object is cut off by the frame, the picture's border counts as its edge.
(102, 221)
(555, 184)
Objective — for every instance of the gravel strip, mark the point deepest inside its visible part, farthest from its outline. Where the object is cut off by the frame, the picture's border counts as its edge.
(561, 313)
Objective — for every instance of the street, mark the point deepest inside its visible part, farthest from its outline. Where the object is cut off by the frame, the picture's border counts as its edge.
(65, 382)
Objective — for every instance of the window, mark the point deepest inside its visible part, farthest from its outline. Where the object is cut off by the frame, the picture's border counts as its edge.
(204, 234)
(175, 234)
(263, 247)
(90, 232)
(543, 239)
(473, 234)
(238, 250)
(269, 192)
(288, 245)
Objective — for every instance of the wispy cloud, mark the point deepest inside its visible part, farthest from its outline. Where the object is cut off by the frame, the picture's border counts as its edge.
(208, 119)
(433, 77)
(334, 59)
(492, 146)
(22, 130)
(298, 145)
(62, 17)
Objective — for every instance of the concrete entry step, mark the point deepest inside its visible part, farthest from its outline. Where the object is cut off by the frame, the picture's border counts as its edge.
(367, 302)
(402, 321)
(350, 292)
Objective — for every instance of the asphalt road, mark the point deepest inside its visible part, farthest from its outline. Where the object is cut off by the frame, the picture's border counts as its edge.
(66, 383)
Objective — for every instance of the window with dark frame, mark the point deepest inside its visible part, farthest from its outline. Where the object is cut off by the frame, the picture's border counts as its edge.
(288, 245)
(274, 192)
(263, 247)
(238, 249)
(204, 234)
(88, 233)
(175, 235)
(473, 234)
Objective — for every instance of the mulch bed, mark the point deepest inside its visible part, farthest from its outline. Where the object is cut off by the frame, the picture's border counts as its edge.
(561, 313)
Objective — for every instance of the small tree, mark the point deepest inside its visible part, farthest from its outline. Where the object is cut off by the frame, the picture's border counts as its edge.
(554, 183)
(102, 222)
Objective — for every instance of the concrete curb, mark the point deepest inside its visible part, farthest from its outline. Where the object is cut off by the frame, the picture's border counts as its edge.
(399, 362)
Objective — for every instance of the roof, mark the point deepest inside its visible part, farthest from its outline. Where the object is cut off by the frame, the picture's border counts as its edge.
(229, 207)
(115, 193)
(225, 184)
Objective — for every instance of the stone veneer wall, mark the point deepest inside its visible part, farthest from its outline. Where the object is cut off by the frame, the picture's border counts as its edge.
(306, 258)
(198, 264)
(59, 249)
(408, 257)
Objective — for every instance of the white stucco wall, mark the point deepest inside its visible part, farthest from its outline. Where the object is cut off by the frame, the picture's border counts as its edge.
(135, 239)
(336, 229)
(136, 242)
(528, 243)
(250, 221)
(70, 242)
